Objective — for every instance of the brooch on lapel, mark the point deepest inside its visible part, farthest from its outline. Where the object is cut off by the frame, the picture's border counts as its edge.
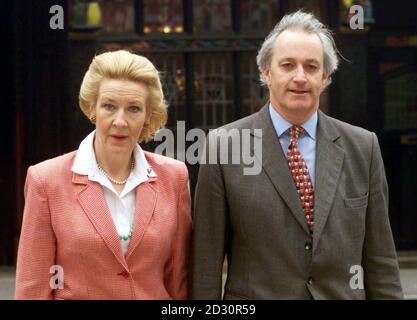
(149, 170)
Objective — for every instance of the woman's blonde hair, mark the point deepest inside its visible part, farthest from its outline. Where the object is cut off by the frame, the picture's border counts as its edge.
(124, 65)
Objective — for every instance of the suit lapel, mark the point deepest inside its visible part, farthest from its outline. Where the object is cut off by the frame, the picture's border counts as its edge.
(329, 161)
(91, 199)
(275, 166)
(145, 206)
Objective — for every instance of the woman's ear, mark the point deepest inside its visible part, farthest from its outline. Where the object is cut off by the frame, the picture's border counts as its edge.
(146, 123)
(92, 113)
(148, 117)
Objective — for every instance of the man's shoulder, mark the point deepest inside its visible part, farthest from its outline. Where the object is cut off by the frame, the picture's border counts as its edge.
(349, 136)
(347, 129)
(236, 126)
(243, 123)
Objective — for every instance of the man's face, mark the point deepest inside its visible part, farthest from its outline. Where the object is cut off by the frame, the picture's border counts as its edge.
(295, 77)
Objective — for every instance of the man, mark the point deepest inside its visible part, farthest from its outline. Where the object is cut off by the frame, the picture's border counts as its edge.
(313, 224)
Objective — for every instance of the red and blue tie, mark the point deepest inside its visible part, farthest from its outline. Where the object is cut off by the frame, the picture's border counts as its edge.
(301, 176)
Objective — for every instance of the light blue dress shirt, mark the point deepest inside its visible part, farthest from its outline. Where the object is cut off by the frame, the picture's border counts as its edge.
(306, 141)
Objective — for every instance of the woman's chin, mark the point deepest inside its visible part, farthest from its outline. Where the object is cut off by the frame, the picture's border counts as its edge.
(119, 149)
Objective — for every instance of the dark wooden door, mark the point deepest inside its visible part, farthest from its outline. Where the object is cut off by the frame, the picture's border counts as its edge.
(32, 121)
(393, 106)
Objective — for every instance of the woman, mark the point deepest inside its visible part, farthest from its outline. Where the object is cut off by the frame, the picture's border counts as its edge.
(109, 221)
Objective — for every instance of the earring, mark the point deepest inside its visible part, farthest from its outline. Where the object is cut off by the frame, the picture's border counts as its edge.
(93, 119)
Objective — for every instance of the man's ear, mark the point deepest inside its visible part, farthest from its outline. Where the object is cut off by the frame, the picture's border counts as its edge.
(266, 74)
(324, 85)
(325, 78)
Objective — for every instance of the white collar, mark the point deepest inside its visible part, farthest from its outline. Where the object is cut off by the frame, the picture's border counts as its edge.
(85, 164)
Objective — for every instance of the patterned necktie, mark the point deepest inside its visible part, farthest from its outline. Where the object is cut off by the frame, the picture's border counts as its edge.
(301, 177)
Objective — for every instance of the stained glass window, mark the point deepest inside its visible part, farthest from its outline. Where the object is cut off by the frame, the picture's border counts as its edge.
(172, 73)
(317, 7)
(213, 85)
(164, 16)
(346, 15)
(210, 16)
(119, 15)
(254, 95)
(258, 16)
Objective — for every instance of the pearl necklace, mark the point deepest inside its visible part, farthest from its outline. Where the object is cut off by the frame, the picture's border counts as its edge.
(114, 180)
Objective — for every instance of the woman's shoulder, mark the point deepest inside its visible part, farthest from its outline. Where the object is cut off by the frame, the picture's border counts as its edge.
(55, 166)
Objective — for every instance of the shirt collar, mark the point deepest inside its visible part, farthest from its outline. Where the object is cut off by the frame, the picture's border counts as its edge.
(85, 161)
(281, 125)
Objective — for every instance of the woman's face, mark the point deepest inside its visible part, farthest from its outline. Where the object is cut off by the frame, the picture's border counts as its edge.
(120, 113)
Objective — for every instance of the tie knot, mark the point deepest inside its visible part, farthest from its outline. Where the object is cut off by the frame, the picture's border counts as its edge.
(295, 131)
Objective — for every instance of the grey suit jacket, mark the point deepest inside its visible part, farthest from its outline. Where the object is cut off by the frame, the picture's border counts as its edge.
(258, 223)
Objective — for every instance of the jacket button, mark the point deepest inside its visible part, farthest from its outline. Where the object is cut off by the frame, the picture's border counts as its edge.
(310, 281)
(307, 246)
(124, 274)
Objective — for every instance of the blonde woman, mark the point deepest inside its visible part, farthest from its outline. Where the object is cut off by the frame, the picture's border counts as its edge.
(109, 221)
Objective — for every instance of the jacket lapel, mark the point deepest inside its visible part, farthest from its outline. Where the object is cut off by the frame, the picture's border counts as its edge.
(275, 166)
(145, 206)
(329, 161)
(91, 199)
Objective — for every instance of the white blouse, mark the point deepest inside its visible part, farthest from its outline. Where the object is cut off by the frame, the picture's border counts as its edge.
(121, 206)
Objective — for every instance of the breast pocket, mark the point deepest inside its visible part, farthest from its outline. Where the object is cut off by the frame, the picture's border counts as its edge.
(356, 203)
(353, 220)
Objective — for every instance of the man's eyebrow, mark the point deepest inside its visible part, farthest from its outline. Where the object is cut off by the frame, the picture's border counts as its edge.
(312, 60)
(292, 59)
(286, 59)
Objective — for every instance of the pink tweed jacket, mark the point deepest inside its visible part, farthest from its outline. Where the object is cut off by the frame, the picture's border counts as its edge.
(67, 223)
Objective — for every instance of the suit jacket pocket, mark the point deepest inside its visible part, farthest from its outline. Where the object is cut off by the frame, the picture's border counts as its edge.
(354, 203)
